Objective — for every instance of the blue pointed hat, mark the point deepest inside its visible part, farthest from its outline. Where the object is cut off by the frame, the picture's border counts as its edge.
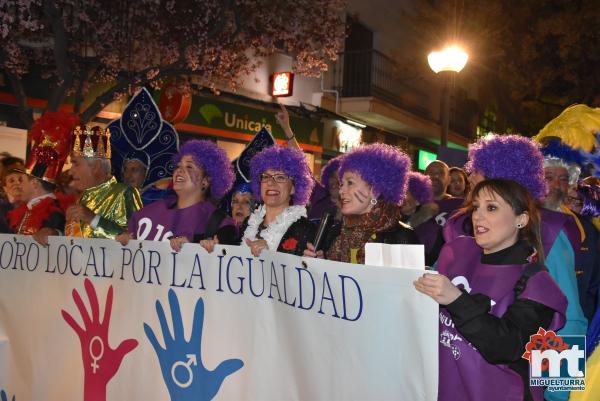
(141, 134)
(263, 139)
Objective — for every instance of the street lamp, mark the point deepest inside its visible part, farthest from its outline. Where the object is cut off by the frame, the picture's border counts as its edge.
(449, 61)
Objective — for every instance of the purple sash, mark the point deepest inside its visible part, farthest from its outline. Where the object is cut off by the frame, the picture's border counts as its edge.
(464, 374)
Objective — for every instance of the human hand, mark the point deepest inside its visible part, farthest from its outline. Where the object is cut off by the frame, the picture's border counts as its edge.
(209, 244)
(124, 238)
(283, 119)
(100, 361)
(438, 287)
(177, 243)
(180, 361)
(256, 246)
(41, 236)
(79, 213)
(310, 251)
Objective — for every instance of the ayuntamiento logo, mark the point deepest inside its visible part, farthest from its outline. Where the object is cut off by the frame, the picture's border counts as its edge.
(557, 362)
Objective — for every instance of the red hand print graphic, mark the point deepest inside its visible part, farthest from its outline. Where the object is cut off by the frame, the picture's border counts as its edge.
(100, 361)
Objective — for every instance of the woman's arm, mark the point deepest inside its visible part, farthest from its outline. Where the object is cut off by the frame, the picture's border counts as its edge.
(498, 339)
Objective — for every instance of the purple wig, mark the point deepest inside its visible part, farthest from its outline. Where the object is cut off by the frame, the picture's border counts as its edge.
(419, 186)
(289, 161)
(384, 167)
(510, 157)
(213, 160)
(590, 198)
(327, 171)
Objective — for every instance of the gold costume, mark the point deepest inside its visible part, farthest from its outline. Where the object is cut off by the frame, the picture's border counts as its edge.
(114, 202)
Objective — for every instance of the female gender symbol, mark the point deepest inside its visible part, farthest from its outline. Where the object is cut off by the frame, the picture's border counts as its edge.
(99, 355)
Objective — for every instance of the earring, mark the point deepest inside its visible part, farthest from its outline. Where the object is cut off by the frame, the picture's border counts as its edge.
(519, 225)
(373, 201)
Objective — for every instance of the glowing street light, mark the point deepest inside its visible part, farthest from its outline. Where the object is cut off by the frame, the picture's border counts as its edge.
(452, 58)
(449, 61)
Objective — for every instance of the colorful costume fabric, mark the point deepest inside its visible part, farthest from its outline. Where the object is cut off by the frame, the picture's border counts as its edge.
(114, 203)
(464, 373)
(162, 220)
(30, 217)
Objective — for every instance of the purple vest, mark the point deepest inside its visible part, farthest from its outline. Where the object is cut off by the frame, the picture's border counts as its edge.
(428, 231)
(161, 220)
(464, 374)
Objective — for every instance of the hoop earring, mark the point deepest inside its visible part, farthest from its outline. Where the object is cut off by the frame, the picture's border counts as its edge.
(373, 201)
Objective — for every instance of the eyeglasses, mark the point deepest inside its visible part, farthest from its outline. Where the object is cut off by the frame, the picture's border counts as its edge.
(278, 178)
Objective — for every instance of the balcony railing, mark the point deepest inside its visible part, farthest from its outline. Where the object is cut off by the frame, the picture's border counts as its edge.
(365, 73)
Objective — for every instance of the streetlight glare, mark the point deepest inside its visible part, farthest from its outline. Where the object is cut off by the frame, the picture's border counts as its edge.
(452, 58)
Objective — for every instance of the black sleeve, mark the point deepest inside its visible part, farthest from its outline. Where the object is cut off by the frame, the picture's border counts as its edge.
(297, 236)
(228, 235)
(56, 221)
(498, 339)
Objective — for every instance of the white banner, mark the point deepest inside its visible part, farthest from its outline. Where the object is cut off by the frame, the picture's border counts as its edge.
(92, 320)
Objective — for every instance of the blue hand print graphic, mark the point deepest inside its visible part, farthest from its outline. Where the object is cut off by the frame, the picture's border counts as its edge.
(181, 361)
(4, 397)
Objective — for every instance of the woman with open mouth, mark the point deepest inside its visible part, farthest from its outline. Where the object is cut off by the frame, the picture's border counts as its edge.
(202, 177)
(282, 181)
(495, 295)
(372, 187)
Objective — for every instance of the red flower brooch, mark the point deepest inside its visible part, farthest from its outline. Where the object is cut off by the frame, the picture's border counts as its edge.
(289, 244)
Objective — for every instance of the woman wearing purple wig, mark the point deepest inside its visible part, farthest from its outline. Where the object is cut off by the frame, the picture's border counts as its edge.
(519, 159)
(418, 205)
(202, 176)
(372, 186)
(326, 194)
(282, 181)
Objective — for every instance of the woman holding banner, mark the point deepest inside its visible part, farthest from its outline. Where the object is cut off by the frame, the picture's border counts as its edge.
(506, 296)
(282, 181)
(372, 186)
(202, 176)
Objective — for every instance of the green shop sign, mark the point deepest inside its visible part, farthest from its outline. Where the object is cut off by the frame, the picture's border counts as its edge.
(209, 112)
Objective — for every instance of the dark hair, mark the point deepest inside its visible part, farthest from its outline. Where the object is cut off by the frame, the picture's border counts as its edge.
(464, 174)
(520, 201)
(9, 160)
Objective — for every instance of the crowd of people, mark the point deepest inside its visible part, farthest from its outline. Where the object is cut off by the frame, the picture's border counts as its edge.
(513, 236)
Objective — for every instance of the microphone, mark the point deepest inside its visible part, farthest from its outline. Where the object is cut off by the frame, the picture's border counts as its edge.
(321, 230)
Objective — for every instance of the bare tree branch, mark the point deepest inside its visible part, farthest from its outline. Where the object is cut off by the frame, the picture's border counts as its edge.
(25, 112)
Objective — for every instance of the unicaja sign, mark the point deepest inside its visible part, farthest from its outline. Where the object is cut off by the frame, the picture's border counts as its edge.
(557, 362)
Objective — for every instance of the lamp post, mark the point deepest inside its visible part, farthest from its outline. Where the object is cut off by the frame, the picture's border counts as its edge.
(449, 61)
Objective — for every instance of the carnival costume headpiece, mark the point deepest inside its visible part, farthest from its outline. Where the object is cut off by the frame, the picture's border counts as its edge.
(557, 154)
(291, 162)
(511, 157)
(576, 126)
(419, 186)
(91, 142)
(384, 167)
(327, 171)
(141, 134)
(49, 140)
(213, 160)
